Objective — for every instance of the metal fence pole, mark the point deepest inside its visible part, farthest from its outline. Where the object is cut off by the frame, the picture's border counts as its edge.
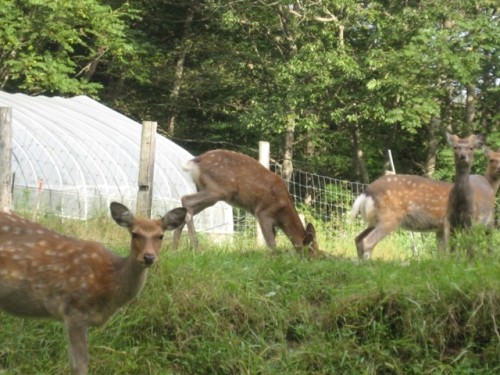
(5, 159)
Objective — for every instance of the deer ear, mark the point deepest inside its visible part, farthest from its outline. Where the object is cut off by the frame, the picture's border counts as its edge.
(310, 229)
(487, 151)
(451, 138)
(174, 218)
(121, 214)
(478, 140)
(310, 235)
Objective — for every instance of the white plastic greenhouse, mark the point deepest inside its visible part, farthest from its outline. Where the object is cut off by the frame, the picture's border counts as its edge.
(87, 155)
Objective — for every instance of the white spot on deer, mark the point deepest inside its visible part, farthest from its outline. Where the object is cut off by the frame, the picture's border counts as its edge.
(15, 274)
(5, 228)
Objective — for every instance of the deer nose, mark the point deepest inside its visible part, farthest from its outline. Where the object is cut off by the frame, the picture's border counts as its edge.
(149, 259)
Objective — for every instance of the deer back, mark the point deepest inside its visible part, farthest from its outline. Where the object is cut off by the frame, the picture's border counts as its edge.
(242, 180)
(413, 202)
(43, 273)
(483, 198)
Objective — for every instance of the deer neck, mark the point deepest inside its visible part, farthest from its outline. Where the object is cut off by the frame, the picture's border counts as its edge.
(462, 177)
(295, 231)
(131, 277)
(460, 200)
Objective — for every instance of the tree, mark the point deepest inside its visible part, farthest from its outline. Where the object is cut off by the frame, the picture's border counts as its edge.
(56, 46)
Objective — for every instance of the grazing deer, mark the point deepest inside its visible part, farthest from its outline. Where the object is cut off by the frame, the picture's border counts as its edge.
(413, 203)
(472, 199)
(44, 274)
(241, 181)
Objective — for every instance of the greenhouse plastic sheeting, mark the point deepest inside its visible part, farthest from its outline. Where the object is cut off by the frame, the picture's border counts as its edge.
(73, 156)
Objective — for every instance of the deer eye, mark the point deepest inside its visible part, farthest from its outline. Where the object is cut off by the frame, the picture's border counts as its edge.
(135, 236)
(160, 237)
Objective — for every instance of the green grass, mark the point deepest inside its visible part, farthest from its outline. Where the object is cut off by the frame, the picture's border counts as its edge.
(234, 309)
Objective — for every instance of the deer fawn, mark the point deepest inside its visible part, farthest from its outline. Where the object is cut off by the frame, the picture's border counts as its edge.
(241, 181)
(44, 274)
(413, 203)
(472, 199)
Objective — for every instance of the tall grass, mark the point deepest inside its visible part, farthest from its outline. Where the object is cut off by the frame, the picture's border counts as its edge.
(234, 309)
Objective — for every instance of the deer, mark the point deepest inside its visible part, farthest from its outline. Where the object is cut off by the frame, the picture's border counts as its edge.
(241, 181)
(413, 203)
(472, 198)
(45, 274)
(492, 174)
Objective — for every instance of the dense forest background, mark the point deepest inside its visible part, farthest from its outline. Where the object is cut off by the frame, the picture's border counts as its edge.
(331, 84)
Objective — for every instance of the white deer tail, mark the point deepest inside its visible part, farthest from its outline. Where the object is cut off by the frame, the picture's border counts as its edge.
(359, 206)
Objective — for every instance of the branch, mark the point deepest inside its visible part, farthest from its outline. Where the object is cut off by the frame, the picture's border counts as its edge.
(91, 66)
(331, 17)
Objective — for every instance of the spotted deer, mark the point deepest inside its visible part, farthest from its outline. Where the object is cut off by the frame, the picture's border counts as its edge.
(416, 204)
(44, 274)
(241, 181)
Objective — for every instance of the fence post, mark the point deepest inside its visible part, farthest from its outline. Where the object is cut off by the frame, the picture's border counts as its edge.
(146, 169)
(264, 152)
(5, 159)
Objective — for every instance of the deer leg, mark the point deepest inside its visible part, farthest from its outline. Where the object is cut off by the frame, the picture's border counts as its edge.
(76, 329)
(192, 233)
(268, 230)
(488, 231)
(359, 241)
(195, 203)
(366, 240)
(177, 236)
(441, 240)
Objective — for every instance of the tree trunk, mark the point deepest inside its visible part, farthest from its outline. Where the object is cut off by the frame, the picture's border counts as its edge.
(360, 170)
(179, 70)
(430, 161)
(290, 117)
(470, 107)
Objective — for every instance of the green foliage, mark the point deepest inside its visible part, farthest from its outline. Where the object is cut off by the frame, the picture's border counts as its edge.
(347, 76)
(47, 47)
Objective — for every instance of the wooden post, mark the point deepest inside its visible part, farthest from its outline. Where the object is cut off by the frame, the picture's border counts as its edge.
(264, 152)
(5, 159)
(146, 169)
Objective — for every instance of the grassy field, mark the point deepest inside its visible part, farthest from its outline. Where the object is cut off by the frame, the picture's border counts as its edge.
(235, 309)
